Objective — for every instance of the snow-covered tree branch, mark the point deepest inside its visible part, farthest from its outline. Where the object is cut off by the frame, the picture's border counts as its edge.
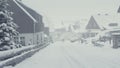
(7, 27)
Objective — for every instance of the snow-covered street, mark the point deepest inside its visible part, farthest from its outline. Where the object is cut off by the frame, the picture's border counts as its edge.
(73, 55)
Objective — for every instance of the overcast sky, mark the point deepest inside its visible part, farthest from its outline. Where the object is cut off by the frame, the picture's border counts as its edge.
(55, 11)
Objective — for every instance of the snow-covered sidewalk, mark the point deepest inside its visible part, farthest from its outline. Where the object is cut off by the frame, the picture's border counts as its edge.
(73, 55)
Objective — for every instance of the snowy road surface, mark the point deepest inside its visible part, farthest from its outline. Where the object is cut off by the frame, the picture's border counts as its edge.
(73, 55)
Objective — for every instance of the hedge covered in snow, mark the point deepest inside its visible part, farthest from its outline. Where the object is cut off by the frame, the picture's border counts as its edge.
(17, 59)
(13, 57)
(11, 53)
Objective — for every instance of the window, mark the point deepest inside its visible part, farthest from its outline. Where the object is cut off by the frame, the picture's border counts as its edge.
(16, 40)
(22, 40)
(37, 39)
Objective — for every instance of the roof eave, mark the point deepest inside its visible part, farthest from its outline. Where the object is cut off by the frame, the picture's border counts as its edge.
(34, 20)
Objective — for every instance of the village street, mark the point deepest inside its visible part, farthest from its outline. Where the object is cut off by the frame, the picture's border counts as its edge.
(73, 55)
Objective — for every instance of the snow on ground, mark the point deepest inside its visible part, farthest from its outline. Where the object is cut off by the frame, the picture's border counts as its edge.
(73, 55)
(13, 52)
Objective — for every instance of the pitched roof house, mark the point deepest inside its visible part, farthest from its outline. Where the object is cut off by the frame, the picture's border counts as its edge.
(102, 21)
(29, 21)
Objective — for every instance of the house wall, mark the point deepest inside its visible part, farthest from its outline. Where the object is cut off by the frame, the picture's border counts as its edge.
(91, 33)
(88, 35)
(39, 38)
(29, 38)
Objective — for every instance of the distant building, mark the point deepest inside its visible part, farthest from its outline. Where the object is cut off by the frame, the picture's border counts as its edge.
(76, 26)
(73, 26)
(70, 28)
(115, 35)
(29, 21)
(56, 35)
(46, 31)
(92, 28)
(92, 24)
(60, 30)
(118, 10)
(113, 24)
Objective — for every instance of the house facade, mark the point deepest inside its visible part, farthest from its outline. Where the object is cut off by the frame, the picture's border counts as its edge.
(115, 35)
(30, 23)
(118, 10)
(102, 21)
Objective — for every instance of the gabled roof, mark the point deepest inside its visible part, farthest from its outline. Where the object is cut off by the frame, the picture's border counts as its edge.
(34, 14)
(25, 17)
(92, 24)
(18, 4)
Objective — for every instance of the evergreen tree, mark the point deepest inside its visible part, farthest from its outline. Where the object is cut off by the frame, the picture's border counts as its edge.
(7, 27)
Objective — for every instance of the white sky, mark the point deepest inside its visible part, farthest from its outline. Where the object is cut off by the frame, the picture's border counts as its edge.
(55, 11)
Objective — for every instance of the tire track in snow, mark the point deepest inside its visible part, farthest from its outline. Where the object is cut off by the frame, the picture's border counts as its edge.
(100, 61)
(74, 62)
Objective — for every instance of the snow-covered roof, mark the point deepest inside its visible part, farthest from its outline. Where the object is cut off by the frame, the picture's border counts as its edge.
(103, 20)
(115, 33)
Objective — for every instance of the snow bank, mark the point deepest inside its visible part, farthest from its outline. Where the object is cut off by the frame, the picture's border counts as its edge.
(17, 59)
(11, 53)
